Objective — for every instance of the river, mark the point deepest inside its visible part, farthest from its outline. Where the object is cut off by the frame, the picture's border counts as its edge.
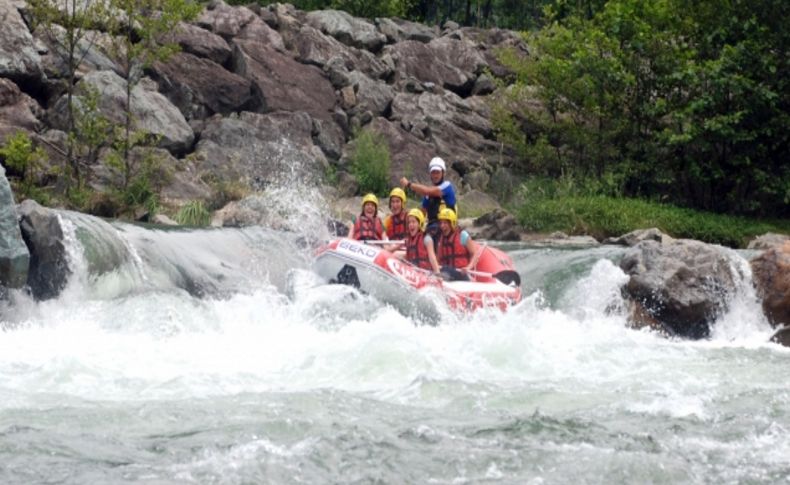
(217, 356)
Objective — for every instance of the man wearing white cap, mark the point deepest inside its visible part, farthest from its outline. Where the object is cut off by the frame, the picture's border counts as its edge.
(435, 197)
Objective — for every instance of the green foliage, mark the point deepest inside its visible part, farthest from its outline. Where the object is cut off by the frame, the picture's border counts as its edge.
(575, 208)
(23, 158)
(370, 162)
(194, 213)
(684, 102)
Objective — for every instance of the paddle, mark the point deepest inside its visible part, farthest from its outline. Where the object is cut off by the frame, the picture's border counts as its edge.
(509, 277)
(386, 243)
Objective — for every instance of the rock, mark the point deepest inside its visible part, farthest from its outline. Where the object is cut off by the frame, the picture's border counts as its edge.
(90, 51)
(452, 64)
(397, 30)
(771, 273)
(163, 220)
(259, 150)
(153, 113)
(767, 241)
(14, 255)
(685, 284)
(200, 87)
(373, 96)
(635, 237)
(490, 42)
(224, 20)
(408, 155)
(17, 111)
(347, 29)
(19, 58)
(782, 336)
(49, 269)
(315, 48)
(483, 85)
(284, 83)
(460, 129)
(329, 137)
(475, 203)
(258, 31)
(202, 43)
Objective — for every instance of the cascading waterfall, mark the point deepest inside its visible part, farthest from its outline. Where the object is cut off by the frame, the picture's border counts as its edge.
(217, 356)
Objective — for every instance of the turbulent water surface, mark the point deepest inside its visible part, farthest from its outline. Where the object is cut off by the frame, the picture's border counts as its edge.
(219, 357)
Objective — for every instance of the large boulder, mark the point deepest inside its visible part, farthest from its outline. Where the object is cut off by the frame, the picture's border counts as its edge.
(397, 30)
(19, 58)
(685, 284)
(373, 96)
(284, 83)
(200, 87)
(451, 63)
(90, 52)
(347, 29)
(14, 255)
(49, 268)
(152, 112)
(460, 129)
(771, 273)
(224, 20)
(767, 241)
(313, 47)
(17, 111)
(260, 149)
(202, 43)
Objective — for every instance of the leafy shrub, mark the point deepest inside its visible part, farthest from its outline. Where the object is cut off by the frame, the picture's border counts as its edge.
(370, 162)
(194, 213)
(21, 157)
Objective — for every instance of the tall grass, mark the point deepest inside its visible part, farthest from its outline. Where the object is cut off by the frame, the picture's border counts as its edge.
(547, 207)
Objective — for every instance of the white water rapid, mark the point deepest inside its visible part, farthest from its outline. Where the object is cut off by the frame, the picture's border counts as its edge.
(217, 356)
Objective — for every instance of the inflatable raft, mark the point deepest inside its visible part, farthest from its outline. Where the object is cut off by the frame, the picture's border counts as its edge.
(378, 272)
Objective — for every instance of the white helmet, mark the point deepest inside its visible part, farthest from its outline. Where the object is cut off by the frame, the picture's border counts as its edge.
(437, 164)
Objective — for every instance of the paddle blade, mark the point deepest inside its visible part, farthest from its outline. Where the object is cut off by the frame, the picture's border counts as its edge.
(509, 277)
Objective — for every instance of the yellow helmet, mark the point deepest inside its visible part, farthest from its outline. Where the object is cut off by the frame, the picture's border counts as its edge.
(448, 214)
(399, 193)
(417, 214)
(370, 198)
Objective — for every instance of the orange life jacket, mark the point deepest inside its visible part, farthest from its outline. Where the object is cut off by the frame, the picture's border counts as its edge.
(396, 229)
(451, 252)
(416, 253)
(367, 229)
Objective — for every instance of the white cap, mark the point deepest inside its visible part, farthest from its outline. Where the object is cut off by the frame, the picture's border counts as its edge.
(436, 164)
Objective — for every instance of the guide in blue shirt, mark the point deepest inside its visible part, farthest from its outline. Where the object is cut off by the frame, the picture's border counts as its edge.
(435, 197)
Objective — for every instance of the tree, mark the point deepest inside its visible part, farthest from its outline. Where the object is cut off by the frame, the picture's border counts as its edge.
(141, 29)
(68, 25)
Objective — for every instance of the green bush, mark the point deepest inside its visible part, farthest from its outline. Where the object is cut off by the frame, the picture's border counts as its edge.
(370, 162)
(194, 213)
(21, 157)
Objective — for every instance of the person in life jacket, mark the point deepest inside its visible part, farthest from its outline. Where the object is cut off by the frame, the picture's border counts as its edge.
(435, 197)
(419, 245)
(395, 223)
(368, 226)
(457, 251)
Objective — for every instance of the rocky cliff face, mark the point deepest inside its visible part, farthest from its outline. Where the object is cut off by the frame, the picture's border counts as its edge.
(257, 92)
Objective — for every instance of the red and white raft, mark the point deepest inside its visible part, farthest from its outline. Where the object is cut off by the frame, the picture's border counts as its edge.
(378, 272)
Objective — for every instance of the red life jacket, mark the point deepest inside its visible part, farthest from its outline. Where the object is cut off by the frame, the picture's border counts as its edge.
(451, 252)
(416, 253)
(397, 227)
(367, 229)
